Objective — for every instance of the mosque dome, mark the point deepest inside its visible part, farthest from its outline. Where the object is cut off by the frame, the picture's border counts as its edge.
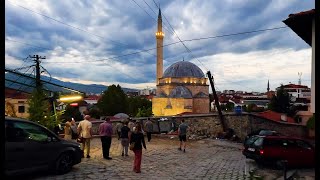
(183, 69)
(180, 92)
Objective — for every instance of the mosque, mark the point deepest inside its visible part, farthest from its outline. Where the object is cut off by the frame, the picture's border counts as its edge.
(181, 88)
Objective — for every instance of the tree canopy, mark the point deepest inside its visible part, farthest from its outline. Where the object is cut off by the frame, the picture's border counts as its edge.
(113, 101)
(39, 109)
(281, 101)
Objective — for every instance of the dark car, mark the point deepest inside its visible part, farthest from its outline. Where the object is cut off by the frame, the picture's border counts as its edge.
(261, 132)
(30, 147)
(276, 149)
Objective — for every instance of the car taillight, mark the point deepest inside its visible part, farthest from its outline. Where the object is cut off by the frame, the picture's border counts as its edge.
(261, 151)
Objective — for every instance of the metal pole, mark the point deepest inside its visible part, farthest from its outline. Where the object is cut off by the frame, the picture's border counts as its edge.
(54, 110)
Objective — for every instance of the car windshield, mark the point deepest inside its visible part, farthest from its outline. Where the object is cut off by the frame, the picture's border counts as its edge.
(258, 142)
(251, 140)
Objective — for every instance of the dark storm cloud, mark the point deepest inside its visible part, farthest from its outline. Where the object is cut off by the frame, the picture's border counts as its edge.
(113, 28)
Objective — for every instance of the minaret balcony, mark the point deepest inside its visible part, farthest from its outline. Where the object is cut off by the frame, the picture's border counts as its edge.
(159, 34)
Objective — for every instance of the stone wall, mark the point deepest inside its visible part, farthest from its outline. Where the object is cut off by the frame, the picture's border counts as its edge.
(208, 125)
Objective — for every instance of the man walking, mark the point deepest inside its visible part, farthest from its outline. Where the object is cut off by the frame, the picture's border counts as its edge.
(182, 132)
(125, 138)
(118, 128)
(84, 129)
(149, 128)
(105, 132)
(131, 124)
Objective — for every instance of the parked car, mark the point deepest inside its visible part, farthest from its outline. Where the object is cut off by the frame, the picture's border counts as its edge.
(275, 149)
(30, 147)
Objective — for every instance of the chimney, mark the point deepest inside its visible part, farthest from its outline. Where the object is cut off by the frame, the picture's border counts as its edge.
(283, 117)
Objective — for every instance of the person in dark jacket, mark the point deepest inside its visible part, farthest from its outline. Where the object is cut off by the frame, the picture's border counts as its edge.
(137, 138)
(125, 131)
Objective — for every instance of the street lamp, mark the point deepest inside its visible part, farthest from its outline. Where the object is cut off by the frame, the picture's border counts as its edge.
(71, 98)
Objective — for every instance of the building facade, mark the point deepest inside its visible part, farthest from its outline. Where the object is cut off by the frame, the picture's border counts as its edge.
(181, 88)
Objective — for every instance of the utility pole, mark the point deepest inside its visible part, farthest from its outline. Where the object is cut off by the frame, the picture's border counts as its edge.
(37, 61)
(216, 100)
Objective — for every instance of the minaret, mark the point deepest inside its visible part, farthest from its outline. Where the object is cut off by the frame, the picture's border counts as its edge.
(159, 36)
(268, 88)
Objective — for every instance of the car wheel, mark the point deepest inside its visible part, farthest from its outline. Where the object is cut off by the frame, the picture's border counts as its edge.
(64, 163)
(279, 164)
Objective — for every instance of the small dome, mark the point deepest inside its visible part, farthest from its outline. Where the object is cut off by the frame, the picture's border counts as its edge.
(121, 116)
(201, 95)
(162, 94)
(183, 69)
(180, 92)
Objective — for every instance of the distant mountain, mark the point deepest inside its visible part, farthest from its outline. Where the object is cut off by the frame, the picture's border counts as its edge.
(16, 82)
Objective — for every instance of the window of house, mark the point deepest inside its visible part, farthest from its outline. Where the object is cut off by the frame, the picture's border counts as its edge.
(21, 109)
(20, 101)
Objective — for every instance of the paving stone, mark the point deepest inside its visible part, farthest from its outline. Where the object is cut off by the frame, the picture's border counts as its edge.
(209, 160)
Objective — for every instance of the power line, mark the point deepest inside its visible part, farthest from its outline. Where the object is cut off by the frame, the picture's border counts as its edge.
(170, 44)
(27, 44)
(23, 73)
(150, 7)
(188, 40)
(66, 24)
(188, 50)
(151, 16)
(235, 34)
(11, 71)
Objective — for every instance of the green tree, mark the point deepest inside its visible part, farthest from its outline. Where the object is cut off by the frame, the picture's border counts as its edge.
(134, 103)
(311, 123)
(144, 112)
(95, 112)
(280, 102)
(113, 101)
(229, 106)
(251, 107)
(39, 109)
(71, 112)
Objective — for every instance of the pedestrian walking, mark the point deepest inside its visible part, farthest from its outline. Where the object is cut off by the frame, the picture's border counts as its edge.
(125, 130)
(137, 140)
(85, 132)
(131, 125)
(182, 132)
(119, 125)
(148, 128)
(105, 132)
(74, 129)
(67, 131)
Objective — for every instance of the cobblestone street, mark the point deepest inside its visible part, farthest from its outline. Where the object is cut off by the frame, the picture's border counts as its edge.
(204, 159)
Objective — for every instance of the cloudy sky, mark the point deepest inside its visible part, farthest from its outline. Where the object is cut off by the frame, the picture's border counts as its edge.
(103, 41)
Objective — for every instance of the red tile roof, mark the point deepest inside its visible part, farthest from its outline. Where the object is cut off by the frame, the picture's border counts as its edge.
(303, 13)
(274, 116)
(294, 86)
(301, 24)
(92, 97)
(14, 94)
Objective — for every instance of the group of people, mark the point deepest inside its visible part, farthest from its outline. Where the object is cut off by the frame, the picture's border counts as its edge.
(130, 133)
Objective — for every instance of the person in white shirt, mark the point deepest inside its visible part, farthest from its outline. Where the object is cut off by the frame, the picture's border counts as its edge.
(85, 131)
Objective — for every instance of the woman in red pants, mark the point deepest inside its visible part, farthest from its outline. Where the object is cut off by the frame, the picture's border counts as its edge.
(138, 139)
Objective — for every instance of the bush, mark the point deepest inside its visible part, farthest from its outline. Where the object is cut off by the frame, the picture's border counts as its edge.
(311, 123)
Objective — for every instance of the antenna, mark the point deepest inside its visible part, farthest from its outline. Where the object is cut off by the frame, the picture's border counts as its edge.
(299, 74)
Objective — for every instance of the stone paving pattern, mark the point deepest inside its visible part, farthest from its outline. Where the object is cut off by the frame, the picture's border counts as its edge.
(204, 159)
